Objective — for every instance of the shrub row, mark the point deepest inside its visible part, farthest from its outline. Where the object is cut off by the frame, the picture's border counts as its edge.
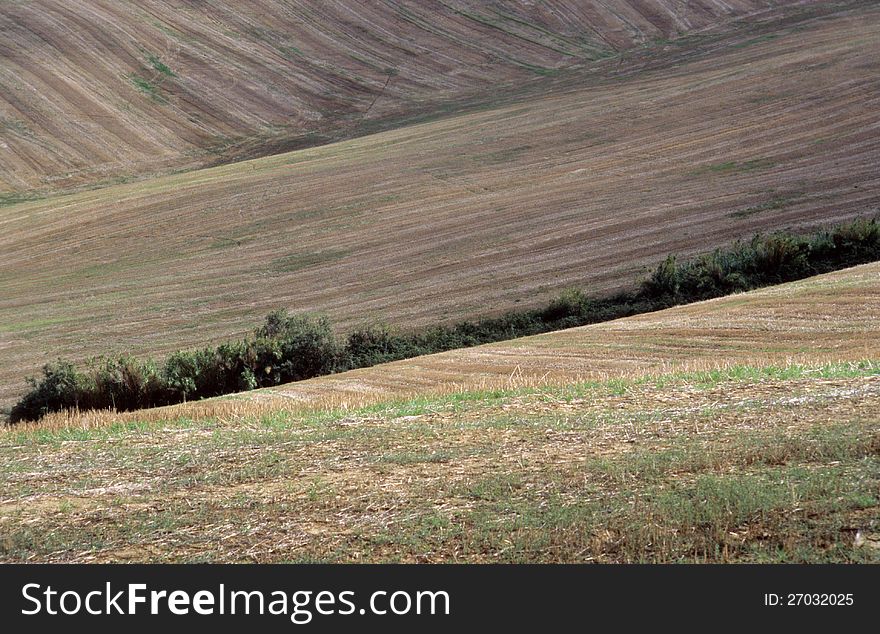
(295, 347)
(763, 260)
(285, 348)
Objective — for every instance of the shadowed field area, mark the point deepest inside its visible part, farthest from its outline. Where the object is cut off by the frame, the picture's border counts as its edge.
(499, 208)
(739, 429)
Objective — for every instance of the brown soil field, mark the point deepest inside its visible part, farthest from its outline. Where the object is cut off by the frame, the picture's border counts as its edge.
(583, 185)
(743, 429)
(95, 91)
(829, 318)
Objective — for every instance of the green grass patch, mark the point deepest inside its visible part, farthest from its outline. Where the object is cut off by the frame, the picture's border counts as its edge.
(501, 156)
(774, 204)
(290, 52)
(300, 261)
(147, 87)
(756, 40)
(8, 199)
(159, 66)
(408, 458)
(734, 167)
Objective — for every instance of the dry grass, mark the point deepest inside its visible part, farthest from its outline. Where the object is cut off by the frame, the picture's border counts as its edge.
(582, 186)
(783, 469)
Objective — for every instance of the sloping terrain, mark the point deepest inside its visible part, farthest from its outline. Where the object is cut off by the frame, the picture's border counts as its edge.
(583, 186)
(759, 459)
(94, 90)
(829, 318)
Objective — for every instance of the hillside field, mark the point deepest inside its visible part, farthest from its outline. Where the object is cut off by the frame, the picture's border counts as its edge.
(101, 91)
(740, 429)
(583, 183)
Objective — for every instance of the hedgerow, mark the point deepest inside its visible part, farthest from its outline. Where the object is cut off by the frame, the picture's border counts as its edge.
(295, 347)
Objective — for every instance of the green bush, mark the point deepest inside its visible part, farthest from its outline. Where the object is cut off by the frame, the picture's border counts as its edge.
(664, 281)
(571, 303)
(778, 257)
(372, 345)
(60, 388)
(304, 347)
(182, 373)
(125, 383)
(857, 241)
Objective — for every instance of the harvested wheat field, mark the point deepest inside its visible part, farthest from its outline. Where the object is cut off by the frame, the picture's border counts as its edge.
(99, 91)
(739, 429)
(583, 184)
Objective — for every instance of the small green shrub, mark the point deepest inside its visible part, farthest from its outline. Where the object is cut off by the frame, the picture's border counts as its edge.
(663, 282)
(571, 303)
(372, 345)
(124, 383)
(857, 241)
(60, 388)
(306, 347)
